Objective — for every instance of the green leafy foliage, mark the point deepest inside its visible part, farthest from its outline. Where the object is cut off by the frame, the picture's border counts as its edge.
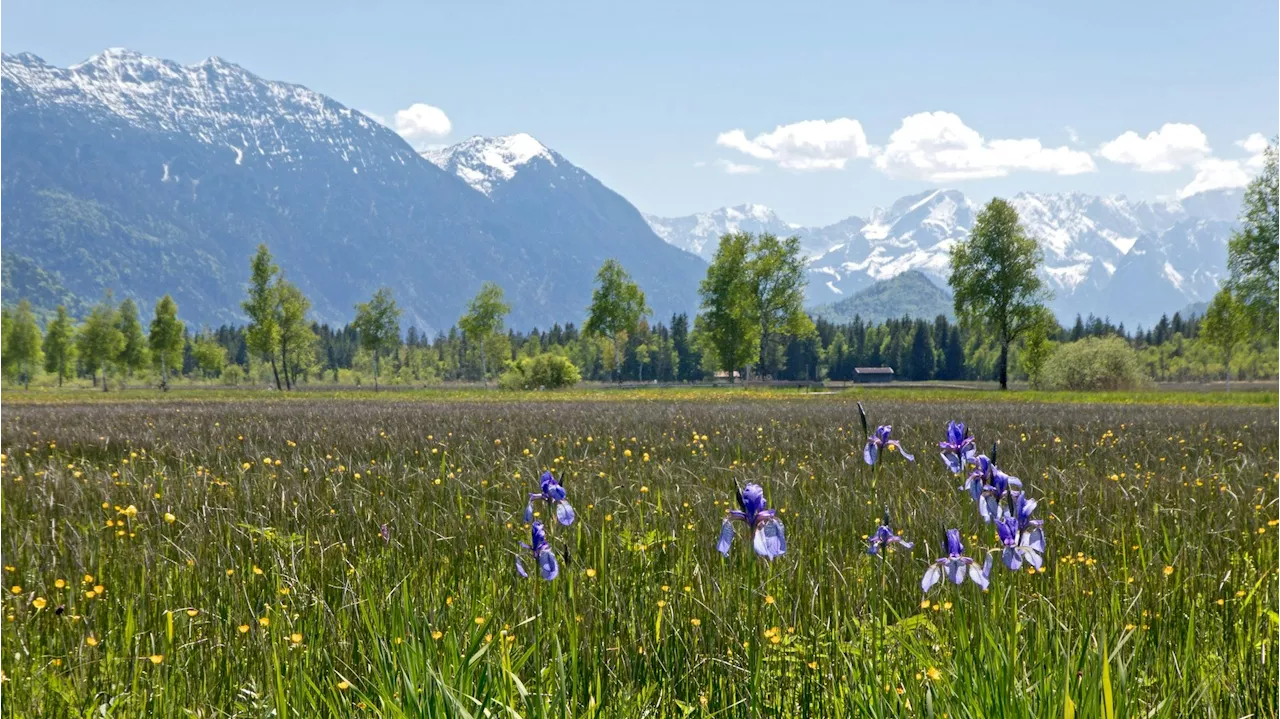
(378, 324)
(545, 371)
(483, 320)
(617, 306)
(993, 277)
(1253, 253)
(1093, 364)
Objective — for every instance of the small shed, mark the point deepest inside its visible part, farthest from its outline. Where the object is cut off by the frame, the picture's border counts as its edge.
(872, 374)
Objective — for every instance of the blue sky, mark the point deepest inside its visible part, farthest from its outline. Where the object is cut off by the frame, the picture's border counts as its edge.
(646, 96)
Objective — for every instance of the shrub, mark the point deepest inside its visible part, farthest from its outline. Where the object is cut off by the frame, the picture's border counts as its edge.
(546, 371)
(1093, 363)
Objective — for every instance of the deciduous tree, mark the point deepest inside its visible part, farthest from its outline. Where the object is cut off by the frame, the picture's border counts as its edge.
(993, 278)
(60, 346)
(100, 342)
(262, 336)
(1226, 326)
(21, 355)
(727, 324)
(133, 356)
(484, 317)
(166, 339)
(378, 324)
(617, 306)
(1253, 252)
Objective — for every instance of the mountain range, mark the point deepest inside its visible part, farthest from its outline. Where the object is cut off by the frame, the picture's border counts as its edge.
(1110, 256)
(144, 176)
(141, 175)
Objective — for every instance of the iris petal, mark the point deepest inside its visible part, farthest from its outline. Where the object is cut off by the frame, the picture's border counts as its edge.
(726, 538)
(953, 462)
(870, 453)
(1035, 539)
(520, 568)
(905, 454)
(564, 513)
(1032, 556)
(770, 540)
(979, 576)
(955, 570)
(931, 578)
(547, 563)
(528, 512)
(1011, 558)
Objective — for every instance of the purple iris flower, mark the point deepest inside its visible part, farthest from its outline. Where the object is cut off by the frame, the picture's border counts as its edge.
(1022, 536)
(956, 565)
(988, 485)
(879, 441)
(553, 493)
(542, 554)
(767, 535)
(959, 448)
(885, 538)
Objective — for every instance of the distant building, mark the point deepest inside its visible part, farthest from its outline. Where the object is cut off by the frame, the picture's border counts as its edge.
(873, 374)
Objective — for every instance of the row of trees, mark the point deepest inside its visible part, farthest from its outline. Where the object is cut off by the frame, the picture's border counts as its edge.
(110, 340)
(752, 322)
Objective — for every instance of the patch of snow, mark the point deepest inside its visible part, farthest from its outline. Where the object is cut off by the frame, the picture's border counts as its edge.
(485, 162)
(877, 231)
(240, 154)
(832, 286)
(1173, 276)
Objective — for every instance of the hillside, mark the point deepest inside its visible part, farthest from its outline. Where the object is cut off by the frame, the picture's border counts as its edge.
(144, 176)
(910, 293)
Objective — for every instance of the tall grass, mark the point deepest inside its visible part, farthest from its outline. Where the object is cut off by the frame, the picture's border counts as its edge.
(272, 591)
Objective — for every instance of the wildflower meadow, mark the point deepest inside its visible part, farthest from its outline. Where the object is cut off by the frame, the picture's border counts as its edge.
(689, 558)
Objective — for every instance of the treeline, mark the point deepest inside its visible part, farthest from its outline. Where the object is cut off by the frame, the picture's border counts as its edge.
(751, 323)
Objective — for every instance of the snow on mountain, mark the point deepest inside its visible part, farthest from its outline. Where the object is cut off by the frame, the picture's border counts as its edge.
(214, 102)
(486, 162)
(700, 234)
(148, 177)
(1130, 260)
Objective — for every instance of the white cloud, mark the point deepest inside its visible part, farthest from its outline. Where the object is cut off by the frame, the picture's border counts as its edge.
(420, 123)
(734, 168)
(1072, 135)
(807, 145)
(1255, 145)
(1214, 173)
(939, 147)
(1172, 147)
(375, 117)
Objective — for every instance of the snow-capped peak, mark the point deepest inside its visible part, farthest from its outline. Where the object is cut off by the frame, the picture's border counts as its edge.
(216, 101)
(485, 162)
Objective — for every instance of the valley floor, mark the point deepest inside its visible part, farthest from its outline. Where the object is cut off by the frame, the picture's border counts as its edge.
(220, 553)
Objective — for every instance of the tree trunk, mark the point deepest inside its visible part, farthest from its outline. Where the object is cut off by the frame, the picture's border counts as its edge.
(617, 366)
(484, 367)
(164, 374)
(1228, 374)
(1004, 364)
(104, 378)
(275, 372)
(284, 362)
(375, 370)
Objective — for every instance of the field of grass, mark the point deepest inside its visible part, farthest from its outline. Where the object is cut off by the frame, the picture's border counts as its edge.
(313, 557)
(1258, 394)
